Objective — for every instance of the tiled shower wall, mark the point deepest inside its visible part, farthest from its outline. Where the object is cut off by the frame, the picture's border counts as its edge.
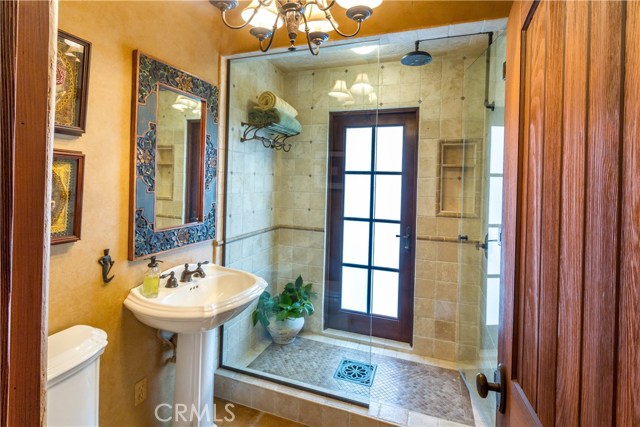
(286, 192)
(250, 196)
(446, 323)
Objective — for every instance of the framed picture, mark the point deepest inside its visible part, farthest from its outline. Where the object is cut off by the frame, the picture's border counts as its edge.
(72, 84)
(66, 196)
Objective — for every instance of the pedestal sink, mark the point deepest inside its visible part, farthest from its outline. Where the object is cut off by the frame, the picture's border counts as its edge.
(193, 310)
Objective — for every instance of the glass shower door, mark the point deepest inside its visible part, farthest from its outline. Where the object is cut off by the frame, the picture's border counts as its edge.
(480, 253)
(275, 220)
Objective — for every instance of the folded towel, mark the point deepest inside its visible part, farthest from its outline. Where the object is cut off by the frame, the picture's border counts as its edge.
(277, 120)
(268, 100)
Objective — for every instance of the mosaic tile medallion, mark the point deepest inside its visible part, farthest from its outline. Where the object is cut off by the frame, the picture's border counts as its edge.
(355, 372)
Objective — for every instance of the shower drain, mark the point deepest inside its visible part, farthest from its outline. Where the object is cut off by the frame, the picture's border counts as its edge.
(355, 372)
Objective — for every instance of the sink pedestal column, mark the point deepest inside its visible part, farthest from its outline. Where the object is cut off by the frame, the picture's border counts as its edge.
(193, 389)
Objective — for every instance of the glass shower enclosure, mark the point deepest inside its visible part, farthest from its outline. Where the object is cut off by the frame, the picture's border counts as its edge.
(275, 219)
(480, 228)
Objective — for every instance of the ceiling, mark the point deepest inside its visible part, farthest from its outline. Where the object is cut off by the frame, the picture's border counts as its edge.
(391, 16)
(439, 42)
(337, 56)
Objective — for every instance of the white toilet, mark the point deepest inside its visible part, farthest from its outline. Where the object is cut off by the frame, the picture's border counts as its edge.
(73, 374)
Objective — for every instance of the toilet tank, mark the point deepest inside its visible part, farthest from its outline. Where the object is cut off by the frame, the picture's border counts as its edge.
(73, 374)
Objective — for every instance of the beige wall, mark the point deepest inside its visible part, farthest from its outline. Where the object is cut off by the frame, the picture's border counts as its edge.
(185, 37)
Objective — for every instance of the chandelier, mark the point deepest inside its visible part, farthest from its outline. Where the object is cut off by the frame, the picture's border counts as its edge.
(311, 17)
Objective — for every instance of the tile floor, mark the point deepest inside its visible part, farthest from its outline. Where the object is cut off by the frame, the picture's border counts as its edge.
(424, 389)
(247, 417)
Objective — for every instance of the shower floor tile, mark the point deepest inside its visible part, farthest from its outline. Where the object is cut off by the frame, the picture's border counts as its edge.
(418, 387)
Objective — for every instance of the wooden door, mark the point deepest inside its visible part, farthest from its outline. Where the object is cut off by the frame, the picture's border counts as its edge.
(570, 335)
(27, 40)
(371, 223)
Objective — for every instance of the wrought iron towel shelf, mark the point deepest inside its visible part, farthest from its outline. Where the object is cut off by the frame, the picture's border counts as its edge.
(271, 136)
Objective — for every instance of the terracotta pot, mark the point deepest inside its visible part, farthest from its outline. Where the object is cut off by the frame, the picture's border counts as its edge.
(284, 332)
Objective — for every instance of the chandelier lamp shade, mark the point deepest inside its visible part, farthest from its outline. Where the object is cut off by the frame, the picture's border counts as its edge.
(310, 17)
(340, 90)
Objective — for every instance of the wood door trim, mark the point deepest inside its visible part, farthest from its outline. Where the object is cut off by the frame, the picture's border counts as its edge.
(550, 211)
(8, 40)
(627, 409)
(527, 417)
(508, 336)
(33, 71)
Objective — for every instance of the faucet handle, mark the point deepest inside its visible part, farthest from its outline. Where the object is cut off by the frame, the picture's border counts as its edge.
(172, 282)
(199, 270)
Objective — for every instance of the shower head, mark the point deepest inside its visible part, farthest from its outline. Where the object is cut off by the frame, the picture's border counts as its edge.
(416, 58)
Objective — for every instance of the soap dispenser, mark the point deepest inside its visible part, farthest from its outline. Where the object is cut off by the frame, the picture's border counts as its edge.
(151, 281)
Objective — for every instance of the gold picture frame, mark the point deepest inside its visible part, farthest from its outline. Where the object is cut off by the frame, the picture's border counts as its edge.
(66, 196)
(72, 84)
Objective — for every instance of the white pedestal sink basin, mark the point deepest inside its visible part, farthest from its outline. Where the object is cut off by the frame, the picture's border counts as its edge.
(193, 310)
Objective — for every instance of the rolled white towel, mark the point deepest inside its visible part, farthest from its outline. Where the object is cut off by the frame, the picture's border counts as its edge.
(268, 100)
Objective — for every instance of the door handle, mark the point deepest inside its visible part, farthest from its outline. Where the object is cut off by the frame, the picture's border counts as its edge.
(499, 386)
(407, 239)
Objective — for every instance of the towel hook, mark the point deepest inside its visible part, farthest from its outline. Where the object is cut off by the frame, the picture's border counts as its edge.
(107, 264)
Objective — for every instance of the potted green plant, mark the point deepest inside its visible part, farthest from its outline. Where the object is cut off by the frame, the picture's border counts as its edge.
(283, 314)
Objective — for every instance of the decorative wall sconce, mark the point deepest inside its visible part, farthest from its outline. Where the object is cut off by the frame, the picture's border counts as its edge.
(311, 17)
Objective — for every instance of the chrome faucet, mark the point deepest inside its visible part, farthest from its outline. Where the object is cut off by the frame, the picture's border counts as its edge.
(198, 272)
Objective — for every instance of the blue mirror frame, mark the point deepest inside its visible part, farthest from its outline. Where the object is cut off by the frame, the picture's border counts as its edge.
(144, 240)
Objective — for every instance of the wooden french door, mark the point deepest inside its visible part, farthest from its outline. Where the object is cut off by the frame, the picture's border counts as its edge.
(371, 223)
(570, 332)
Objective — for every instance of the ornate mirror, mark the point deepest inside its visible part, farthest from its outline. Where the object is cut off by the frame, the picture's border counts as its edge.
(174, 158)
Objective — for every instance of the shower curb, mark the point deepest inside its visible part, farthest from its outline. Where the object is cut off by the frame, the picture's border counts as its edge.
(286, 402)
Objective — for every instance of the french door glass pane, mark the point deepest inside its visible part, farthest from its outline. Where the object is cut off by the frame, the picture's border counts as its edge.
(355, 242)
(357, 189)
(357, 284)
(495, 200)
(389, 149)
(388, 197)
(497, 149)
(358, 149)
(386, 246)
(493, 251)
(354, 289)
(493, 301)
(385, 293)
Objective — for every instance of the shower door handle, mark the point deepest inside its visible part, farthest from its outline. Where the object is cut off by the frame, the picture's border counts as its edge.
(499, 386)
(407, 239)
